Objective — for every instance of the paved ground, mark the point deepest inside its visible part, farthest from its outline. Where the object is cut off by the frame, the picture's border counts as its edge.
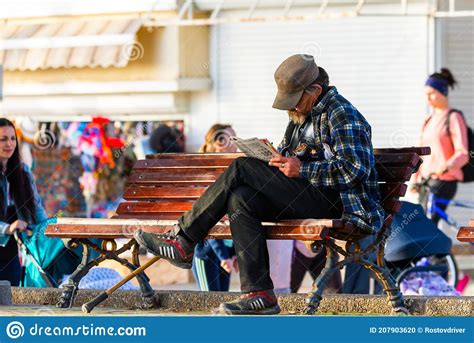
(35, 310)
(305, 287)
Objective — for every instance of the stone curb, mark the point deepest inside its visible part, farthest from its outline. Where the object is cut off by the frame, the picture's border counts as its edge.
(5, 293)
(184, 301)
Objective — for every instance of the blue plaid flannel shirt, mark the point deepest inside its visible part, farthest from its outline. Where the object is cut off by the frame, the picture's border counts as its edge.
(351, 168)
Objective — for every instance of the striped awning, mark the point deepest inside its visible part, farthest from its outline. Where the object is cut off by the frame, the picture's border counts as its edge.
(76, 43)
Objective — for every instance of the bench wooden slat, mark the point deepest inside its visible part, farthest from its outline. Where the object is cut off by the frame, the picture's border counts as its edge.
(391, 190)
(196, 176)
(411, 159)
(155, 216)
(175, 177)
(224, 160)
(144, 216)
(395, 174)
(176, 163)
(305, 229)
(421, 151)
(132, 192)
(166, 192)
(466, 234)
(192, 156)
(390, 205)
(154, 207)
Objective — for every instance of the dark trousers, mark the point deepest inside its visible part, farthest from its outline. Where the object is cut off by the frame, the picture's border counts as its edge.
(11, 269)
(441, 189)
(250, 191)
(314, 265)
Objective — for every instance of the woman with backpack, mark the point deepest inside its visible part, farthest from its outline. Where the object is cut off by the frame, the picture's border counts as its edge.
(446, 133)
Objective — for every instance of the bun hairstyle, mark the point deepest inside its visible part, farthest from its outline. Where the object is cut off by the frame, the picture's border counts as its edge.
(446, 75)
(442, 81)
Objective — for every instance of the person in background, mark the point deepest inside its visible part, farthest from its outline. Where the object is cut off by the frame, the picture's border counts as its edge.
(20, 203)
(166, 139)
(214, 260)
(445, 132)
(304, 260)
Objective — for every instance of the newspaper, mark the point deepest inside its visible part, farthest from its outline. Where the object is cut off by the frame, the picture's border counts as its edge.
(255, 147)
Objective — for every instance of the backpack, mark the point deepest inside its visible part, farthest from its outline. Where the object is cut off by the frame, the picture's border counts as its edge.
(468, 169)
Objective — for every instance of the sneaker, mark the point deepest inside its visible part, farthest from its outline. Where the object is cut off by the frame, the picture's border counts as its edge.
(262, 302)
(168, 246)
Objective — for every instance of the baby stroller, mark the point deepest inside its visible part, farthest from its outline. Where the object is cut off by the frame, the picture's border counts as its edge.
(45, 260)
(416, 244)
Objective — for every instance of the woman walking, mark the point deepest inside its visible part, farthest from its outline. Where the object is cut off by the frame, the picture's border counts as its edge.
(445, 131)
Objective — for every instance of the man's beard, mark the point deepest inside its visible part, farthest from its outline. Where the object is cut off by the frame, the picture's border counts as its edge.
(297, 118)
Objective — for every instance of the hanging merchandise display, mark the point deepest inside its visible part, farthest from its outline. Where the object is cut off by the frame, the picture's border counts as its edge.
(81, 167)
(56, 172)
(97, 161)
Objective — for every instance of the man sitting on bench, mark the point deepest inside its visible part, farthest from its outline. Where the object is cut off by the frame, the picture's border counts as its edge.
(326, 170)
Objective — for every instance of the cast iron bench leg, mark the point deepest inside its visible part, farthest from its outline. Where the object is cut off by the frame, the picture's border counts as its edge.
(70, 289)
(314, 298)
(149, 301)
(382, 274)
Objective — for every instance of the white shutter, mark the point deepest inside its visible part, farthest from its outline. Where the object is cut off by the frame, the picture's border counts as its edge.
(457, 45)
(457, 42)
(377, 63)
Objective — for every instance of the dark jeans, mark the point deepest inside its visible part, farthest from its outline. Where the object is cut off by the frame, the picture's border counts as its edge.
(250, 191)
(314, 265)
(11, 269)
(441, 189)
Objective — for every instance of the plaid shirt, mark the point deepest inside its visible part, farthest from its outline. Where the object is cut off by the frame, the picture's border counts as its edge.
(346, 160)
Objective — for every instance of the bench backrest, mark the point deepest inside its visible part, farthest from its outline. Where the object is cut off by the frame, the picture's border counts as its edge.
(164, 186)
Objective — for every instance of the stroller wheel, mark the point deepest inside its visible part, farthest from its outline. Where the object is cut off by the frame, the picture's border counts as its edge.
(445, 265)
(449, 262)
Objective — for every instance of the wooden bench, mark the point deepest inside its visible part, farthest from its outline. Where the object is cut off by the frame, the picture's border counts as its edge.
(466, 234)
(162, 187)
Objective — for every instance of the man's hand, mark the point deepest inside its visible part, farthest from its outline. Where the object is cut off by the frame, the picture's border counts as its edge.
(290, 166)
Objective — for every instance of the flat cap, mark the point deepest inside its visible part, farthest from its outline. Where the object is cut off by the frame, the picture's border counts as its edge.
(292, 76)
